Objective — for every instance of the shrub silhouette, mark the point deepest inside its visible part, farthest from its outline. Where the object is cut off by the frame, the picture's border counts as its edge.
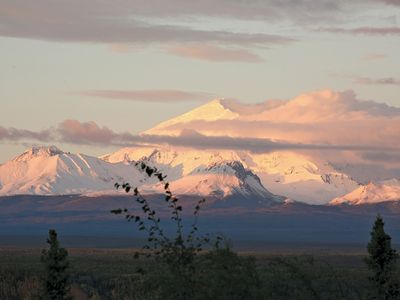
(186, 265)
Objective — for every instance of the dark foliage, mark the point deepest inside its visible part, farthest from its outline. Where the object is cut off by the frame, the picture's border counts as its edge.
(382, 263)
(189, 266)
(55, 260)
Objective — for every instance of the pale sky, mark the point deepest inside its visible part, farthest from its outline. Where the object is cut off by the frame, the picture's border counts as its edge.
(131, 64)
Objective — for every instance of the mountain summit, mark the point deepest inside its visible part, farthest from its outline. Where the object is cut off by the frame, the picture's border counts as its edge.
(51, 171)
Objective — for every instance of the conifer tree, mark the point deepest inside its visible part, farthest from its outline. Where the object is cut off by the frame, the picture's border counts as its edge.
(382, 261)
(55, 260)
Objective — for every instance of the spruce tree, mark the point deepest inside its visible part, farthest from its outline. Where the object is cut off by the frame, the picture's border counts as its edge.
(55, 260)
(382, 261)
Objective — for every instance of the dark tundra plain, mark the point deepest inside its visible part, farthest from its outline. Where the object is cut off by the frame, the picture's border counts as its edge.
(283, 251)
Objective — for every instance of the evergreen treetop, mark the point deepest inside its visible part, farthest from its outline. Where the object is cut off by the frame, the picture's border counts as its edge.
(382, 261)
(55, 260)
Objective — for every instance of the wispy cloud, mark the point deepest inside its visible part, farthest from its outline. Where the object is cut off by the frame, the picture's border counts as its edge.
(322, 120)
(390, 2)
(374, 56)
(193, 139)
(377, 81)
(90, 133)
(100, 22)
(215, 53)
(14, 134)
(148, 95)
(322, 117)
(393, 157)
(363, 30)
(73, 131)
(62, 10)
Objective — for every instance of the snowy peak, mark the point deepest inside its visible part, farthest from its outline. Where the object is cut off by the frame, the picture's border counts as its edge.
(226, 179)
(371, 193)
(218, 173)
(211, 111)
(38, 151)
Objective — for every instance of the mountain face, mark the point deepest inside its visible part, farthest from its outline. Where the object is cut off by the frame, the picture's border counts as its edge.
(283, 173)
(371, 193)
(220, 174)
(50, 171)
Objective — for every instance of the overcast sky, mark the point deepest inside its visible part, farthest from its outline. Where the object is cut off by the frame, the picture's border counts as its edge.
(126, 65)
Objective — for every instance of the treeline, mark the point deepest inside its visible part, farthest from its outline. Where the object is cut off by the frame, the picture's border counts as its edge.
(223, 275)
(216, 273)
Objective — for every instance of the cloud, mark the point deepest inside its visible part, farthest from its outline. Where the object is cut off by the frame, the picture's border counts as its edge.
(68, 131)
(317, 121)
(98, 10)
(377, 81)
(322, 117)
(73, 131)
(102, 22)
(13, 134)
(148, 95)
(375, 56)
(177, 24)
(364, 30)
(390, 2)
(120, 48)
(215, 53)
(363, 133)
(387, 157)
(193, 139)
(89, 133)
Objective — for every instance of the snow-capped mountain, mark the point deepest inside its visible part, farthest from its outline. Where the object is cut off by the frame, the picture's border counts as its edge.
(50, 171)
(282, 173)
(371, 193)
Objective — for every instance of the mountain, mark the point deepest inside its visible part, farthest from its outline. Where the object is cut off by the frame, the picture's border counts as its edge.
(211, 111)
(371, 193)
(290, 174)
(50, 171)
